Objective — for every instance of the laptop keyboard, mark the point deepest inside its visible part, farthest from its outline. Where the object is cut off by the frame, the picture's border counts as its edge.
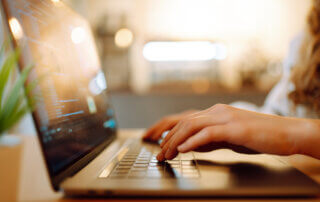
(142, 163)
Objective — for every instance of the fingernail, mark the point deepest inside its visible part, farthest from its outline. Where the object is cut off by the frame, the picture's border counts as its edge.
(160, 156)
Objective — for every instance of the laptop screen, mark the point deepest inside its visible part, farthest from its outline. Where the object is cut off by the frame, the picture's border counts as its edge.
(73, 114)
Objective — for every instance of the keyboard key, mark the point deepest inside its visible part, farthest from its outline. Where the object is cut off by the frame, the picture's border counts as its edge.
(131, 155)
(171, 162)
(155, 168)
(122, 167)
(121, 171)
(184, 162)
(128, 159)
(155, 164)
(141, 162)
(140, 165)
(138, 169)
(125, 163)
(187, 156)
(145, 154)
(116, 175)
(143, 159)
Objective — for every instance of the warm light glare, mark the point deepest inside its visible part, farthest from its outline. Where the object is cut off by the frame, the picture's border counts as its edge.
(123, 38)
(16, 28)
(232, 21)
(78, 35)
(55, 1)
(184, 51)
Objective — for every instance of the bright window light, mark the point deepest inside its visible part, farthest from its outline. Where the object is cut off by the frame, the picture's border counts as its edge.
(221, 51)
(184, 51)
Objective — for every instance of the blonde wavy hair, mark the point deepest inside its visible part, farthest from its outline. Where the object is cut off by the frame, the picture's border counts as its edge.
(306, 73)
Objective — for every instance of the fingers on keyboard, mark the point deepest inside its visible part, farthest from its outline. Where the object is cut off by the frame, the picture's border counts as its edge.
(144, 164)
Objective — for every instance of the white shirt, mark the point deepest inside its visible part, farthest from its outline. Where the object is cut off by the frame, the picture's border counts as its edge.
(277, 101)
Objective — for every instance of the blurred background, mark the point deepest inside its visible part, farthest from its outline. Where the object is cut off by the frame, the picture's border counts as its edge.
(166, 56)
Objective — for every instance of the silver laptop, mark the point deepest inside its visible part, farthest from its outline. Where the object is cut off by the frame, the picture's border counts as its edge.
(76, 126)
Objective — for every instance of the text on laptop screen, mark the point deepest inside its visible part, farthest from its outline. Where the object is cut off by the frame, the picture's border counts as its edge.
(73, 114)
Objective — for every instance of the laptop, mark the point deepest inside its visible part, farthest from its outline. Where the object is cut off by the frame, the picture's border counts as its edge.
(85, 154)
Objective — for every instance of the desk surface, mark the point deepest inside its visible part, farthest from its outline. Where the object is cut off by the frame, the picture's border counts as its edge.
(34, 182)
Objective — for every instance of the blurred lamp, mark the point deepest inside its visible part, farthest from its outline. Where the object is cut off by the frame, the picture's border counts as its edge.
(184, 51)
(78, 35)
(16, 28)
(123, 38)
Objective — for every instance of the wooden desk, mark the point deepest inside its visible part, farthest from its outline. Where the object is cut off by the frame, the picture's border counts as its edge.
(35, 186)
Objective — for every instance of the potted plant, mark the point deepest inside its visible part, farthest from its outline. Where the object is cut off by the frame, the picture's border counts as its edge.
(15, 102)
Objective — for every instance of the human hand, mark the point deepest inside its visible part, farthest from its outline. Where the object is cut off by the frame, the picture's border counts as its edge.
(226, 126)
(154, 133)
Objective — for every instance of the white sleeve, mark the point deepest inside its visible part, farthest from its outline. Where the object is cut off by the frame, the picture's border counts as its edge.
(277, 100)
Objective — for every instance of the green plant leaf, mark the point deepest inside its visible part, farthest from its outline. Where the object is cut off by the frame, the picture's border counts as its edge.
(6, 70)
(15, 97)
(14, 118)
(18, 101)
(20, 111)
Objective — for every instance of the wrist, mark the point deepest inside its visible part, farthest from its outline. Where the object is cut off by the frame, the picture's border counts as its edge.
(308, 138)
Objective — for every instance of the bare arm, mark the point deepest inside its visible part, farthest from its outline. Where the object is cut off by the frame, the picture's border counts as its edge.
(259, 132)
